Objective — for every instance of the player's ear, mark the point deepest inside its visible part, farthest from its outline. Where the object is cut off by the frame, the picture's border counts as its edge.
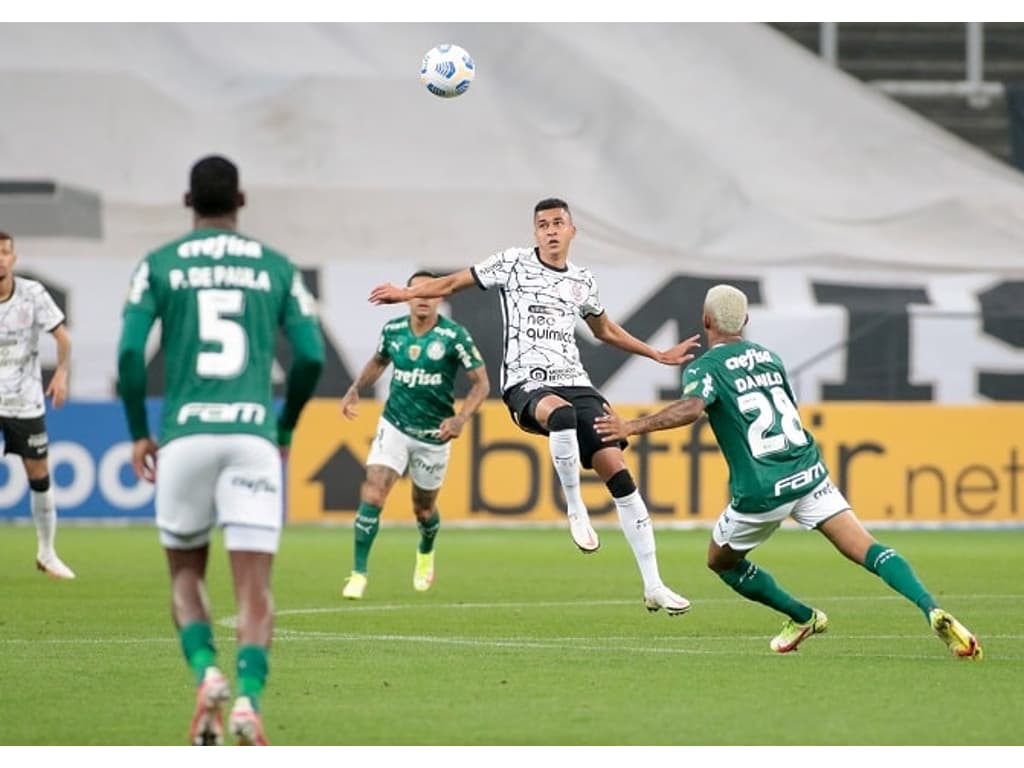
(188, 200)
(746, 319)
(241, 199)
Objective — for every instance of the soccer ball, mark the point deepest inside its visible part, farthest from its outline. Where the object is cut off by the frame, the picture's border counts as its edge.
(447, 70)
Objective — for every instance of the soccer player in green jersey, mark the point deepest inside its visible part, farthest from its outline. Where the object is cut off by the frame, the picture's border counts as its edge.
(417, 425)
(775, 472)
(220, 296)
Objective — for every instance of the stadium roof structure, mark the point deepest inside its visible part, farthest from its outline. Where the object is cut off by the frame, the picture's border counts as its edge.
(683, 146)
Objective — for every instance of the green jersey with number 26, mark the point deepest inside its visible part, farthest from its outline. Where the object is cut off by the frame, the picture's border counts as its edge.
(220, 297)
(772, 459)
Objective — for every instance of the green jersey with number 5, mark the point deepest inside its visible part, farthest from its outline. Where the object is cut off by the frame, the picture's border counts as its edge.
(772, 459)
(220, 297)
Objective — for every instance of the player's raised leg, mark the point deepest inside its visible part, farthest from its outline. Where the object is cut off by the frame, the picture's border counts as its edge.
(560, 419)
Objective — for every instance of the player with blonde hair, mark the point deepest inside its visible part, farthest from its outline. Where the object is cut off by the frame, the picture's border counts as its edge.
(775, 472)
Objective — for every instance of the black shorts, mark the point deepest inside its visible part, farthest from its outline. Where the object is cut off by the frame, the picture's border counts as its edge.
(25, 437)
(588, 403)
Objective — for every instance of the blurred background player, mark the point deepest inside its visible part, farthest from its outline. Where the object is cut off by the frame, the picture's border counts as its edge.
(775, 472)
(220, 297)
(26, 308)
(417, 425)
(544, 384)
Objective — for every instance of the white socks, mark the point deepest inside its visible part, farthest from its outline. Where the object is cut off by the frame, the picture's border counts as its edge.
(565, 453)
(44, 513)
(636, 525)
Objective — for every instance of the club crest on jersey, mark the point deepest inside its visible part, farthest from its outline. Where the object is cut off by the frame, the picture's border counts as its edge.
(414, 352)
(573, 291)
(435, 350)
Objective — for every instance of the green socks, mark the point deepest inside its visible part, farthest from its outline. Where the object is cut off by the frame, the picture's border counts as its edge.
(428, 532)
(252, 668)
(758, 585)
(366, 525)
(891, 568)
(197, 645)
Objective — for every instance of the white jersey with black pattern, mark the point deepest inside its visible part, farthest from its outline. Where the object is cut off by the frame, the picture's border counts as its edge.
(540, 305)
(27, 311)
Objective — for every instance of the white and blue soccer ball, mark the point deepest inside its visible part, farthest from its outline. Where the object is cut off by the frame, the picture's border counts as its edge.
(447, 70)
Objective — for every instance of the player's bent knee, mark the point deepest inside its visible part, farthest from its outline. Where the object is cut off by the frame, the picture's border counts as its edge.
(39, 484)
(374, 494)
(563, 417)
(621, 484)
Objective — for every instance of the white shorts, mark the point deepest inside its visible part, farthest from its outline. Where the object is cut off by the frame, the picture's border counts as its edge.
(742, 532)
(234, 481)
(427, 462)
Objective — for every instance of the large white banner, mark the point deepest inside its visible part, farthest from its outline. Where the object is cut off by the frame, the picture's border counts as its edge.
(844, 335)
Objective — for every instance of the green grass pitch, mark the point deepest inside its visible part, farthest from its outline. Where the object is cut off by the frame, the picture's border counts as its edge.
(522, 641)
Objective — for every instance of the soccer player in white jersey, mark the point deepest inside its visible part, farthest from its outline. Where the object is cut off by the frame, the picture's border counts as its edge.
(544, 384)
(26, 308)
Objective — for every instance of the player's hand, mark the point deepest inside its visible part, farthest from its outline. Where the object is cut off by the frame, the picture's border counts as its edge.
(388, 294)
(451, 427)
(144, 459)
(681, 353)
(611, 427)
(350, 403)
(58, 388)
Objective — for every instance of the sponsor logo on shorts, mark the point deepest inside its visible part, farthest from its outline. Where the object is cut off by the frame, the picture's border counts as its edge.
(433, 468)
(825, 490)
(38, 440)
(255, 484)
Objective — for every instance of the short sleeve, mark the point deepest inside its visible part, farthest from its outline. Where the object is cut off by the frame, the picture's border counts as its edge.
(299, 305)
(469, 356)
(495, 269)
(382, 345)
(591, 305)
(699, 382)
(48, 314)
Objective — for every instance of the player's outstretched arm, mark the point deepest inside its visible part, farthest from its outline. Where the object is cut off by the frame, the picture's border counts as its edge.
(612, 427)
(366, 378)
(424, 289)
(481, 387)
(610, 332)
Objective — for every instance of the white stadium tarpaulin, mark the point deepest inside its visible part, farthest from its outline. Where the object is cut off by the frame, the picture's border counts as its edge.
(688, 152)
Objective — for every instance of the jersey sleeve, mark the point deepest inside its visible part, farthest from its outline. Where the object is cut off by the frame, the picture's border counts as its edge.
(141, 291)
(495, 269)
(301, 323)
(382, 345)
(699, 381)
(591, 305)
(299, 305)
(48, 314)
(465, 348)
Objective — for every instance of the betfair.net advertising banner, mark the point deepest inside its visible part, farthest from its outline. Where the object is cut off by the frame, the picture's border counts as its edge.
(897, 463)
